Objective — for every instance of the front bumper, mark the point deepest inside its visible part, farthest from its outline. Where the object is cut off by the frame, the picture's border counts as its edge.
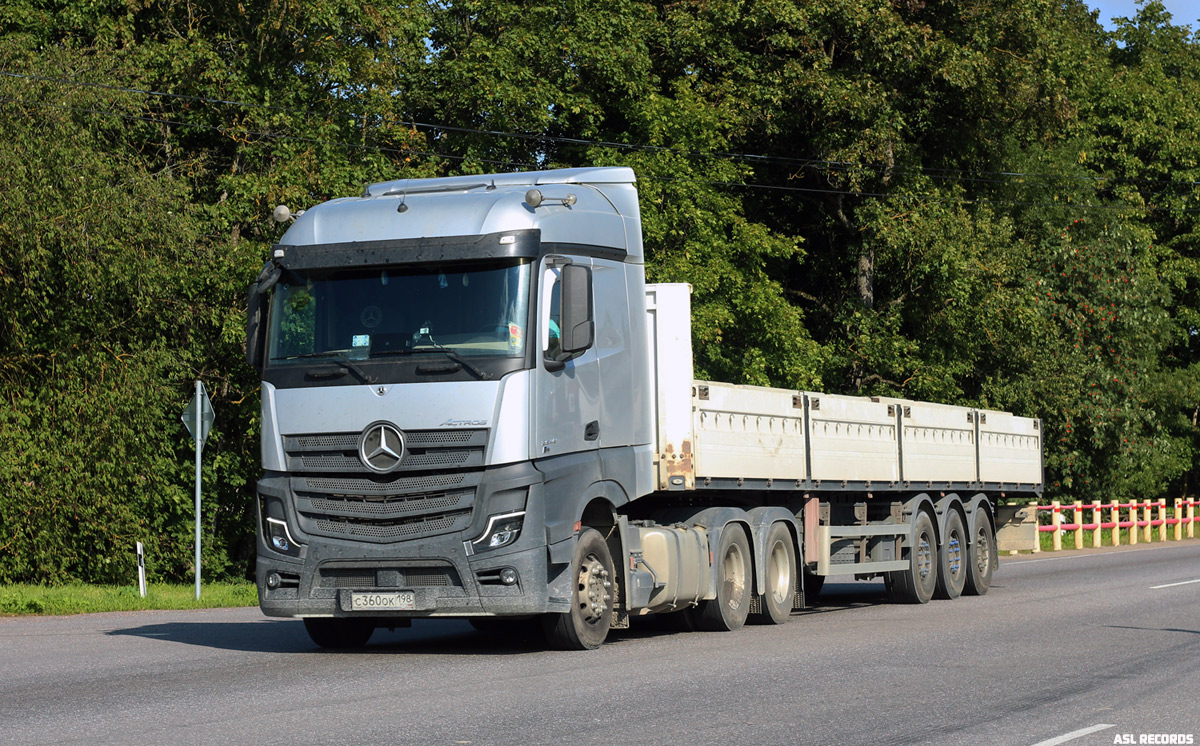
(445, 578)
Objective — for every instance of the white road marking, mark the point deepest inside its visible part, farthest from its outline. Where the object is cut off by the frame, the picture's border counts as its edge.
(1075, 734)
(1172, 585)
(1117, 552)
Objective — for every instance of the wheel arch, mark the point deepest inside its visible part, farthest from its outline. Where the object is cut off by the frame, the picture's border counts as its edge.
(761, 521)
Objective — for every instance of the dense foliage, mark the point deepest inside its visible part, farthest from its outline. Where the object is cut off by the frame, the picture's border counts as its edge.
(971, 202)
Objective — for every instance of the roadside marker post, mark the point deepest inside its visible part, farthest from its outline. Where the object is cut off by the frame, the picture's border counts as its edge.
(141, 562)
(198, 417)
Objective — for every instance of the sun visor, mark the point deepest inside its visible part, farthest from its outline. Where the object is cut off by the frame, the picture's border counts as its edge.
(503, 245)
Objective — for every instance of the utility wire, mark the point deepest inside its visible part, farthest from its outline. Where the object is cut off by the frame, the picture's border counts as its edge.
(994, 177)
(912, 198)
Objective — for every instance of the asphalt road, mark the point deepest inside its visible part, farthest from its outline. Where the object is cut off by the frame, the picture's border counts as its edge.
(1101, 641)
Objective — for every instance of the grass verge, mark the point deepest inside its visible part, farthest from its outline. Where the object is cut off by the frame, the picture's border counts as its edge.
(86, 599)
(1046, 539)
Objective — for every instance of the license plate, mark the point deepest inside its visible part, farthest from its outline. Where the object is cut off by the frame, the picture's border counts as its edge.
(402, 601)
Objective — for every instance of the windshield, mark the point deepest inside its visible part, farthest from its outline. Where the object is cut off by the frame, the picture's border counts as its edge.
(476, 310)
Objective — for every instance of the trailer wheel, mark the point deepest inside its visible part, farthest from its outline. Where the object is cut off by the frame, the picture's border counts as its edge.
(340, 633)
(952, 559)
(981, 555)
(586, 626)
(916, 584)
(728, 611)
(781, 577)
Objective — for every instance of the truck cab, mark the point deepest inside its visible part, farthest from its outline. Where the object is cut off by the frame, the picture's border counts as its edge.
(452, 376)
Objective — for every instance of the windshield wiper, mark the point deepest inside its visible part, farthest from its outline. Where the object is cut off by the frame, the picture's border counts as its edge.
(478, 373)
(338, 357)
(448, 352)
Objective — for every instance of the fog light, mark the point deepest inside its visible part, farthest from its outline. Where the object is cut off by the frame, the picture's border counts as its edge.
(273, 580)
(508, 576)
(280, 543)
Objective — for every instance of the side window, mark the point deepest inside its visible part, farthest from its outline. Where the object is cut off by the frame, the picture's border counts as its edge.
(552, 346)
(552, 313)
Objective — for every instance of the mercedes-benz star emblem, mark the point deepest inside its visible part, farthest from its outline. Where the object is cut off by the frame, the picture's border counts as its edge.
(381, 447)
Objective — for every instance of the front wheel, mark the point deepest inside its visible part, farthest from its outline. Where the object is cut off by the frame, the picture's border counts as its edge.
(586, 626)
(728, 611)
(340, 633)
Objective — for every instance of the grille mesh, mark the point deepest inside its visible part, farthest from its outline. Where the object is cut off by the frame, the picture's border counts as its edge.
(396, 487)
(397, 530)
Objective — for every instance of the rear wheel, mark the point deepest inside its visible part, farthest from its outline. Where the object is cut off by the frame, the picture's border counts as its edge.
(728, 611)
(916, 584)
(952, 559)
(980, 555)
(586, 626)
(340, 633)
(781, 576)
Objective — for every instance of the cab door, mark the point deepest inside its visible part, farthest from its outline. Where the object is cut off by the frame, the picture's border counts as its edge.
(566, 390)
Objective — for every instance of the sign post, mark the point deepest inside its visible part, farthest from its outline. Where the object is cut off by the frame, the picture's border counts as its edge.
(198, 417)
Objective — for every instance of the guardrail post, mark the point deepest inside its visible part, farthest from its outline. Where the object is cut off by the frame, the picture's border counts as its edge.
(1116, 519)
(1056, 521)
(1133, 522)
(1078, 524)
(1191, 532)
(1178, 519)
(1162, 520)
(1097, 518)
(1146, 515)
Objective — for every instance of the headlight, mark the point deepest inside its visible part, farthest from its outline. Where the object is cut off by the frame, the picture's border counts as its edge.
(275, 529)
(501, 531)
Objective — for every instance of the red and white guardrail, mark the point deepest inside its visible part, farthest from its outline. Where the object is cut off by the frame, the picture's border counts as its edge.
(1184, 514)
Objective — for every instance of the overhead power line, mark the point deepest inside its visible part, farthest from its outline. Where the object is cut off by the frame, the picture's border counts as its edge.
(949, 174)
(246, 132)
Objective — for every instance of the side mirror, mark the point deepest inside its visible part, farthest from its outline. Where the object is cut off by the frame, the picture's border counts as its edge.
(256, 304)
(256, 311)
(578, 327)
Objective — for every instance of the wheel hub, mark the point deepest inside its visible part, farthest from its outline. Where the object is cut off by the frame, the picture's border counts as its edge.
(594, 585)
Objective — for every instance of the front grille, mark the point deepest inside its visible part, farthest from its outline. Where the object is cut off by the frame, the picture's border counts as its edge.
(335, 496)
(424, 449)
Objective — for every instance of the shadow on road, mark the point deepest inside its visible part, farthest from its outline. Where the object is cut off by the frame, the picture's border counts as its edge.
(448, 637)
(1154, 629)
(426, 636)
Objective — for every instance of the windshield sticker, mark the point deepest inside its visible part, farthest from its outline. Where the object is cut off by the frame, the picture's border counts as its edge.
(361, 340)
(371, 316)
(516, 336)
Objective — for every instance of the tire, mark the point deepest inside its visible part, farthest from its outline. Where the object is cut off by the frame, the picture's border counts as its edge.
(780, 566)
(340, 633)
(586, 626)
(917, 584)
(952, 559)
(981, 554)
(728, 611)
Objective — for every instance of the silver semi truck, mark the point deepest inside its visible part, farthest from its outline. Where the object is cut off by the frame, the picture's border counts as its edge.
(474, 406)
